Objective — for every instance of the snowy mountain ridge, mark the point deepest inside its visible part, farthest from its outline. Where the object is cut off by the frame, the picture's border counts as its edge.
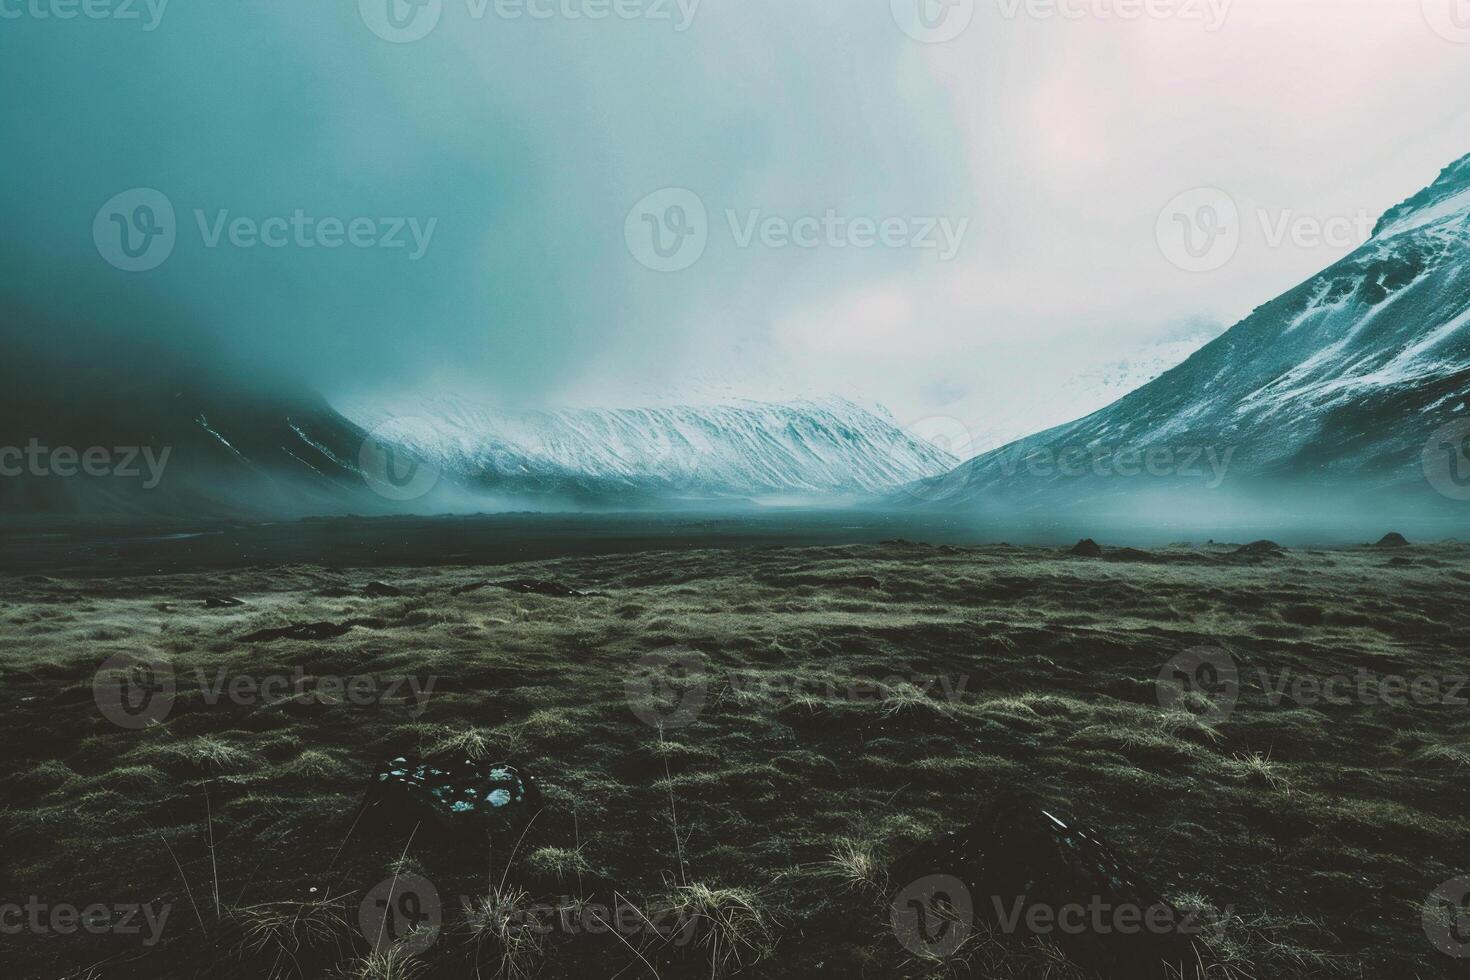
(734, 448)
(1338, 382)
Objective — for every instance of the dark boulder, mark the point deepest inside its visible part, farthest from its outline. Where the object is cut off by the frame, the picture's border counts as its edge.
(1087, 548)
(1023, 870)
(1392, 539)
(1260, 549)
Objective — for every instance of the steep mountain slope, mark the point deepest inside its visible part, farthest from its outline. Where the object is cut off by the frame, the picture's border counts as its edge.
(1336, 386)
(740, 449)
(168, 451)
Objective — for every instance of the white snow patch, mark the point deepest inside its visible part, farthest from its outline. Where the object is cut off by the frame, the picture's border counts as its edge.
(204, 424)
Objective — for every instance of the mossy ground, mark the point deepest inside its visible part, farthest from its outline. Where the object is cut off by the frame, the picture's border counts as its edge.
(769, 819)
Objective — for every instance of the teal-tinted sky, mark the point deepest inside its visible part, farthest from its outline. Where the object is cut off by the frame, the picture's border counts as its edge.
(1034, 152)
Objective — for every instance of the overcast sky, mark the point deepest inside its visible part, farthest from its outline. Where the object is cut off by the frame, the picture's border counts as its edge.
(475, 209)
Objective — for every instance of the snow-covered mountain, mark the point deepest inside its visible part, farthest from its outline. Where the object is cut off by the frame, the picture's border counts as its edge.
(739, 449)
(222, 450)
(1338, 385)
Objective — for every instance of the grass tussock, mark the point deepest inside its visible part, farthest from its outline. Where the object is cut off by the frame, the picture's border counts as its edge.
(729, 925)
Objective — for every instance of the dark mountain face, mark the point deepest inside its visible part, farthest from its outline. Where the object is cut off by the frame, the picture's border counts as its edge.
(1339, 388)
(118, 449)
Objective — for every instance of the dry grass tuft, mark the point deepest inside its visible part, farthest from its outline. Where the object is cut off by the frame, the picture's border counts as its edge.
(855, 864)
(281, 931)
(730, 924)
(393, 963)
(507, 931)
(1259, 769)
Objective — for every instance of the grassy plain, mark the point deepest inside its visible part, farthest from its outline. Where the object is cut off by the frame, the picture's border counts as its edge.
(857, 700)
